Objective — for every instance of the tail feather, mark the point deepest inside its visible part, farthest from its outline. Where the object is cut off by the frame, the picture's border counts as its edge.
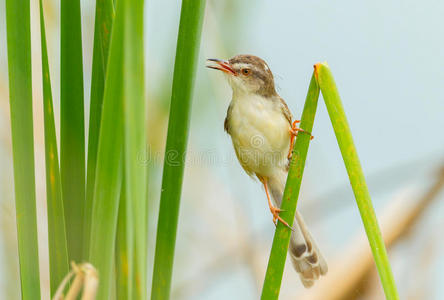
(310, 264)
(305, 255)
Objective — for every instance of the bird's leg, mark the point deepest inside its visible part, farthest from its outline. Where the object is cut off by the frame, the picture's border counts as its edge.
(294, 130)
(292, 137)
(274, 210)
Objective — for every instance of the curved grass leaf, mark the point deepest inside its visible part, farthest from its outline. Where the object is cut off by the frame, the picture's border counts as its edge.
(124, 250)
(356, 177)
(323, 80)
(102, 32)
(20, 100)
(58, 256)
(109, 170)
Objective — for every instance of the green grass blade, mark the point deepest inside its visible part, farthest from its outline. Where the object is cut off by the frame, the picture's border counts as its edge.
(356, 176)
(323, 80)
(102, 33)
(135, 143)
(58, 253)
(281, 240)
(183, 80)
(109, 164)
(20, 99)
(72, 130)
(124, 249)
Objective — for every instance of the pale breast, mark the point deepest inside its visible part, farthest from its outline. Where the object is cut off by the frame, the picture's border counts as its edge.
(260, 133)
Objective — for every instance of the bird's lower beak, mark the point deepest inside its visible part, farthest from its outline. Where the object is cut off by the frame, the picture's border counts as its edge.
(221, 65)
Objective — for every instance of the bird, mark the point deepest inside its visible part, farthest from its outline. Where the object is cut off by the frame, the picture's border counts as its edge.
(262, 131)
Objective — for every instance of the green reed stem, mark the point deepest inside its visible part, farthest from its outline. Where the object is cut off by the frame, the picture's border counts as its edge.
(58, 252)
(20, 100)
(109, 170)
(102, 34)
(72, 130)
(323, 80)
(356, 176)
(187, 51)
(281, 240)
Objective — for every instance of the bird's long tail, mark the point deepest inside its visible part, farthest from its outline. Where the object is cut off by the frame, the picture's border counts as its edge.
(305, 255)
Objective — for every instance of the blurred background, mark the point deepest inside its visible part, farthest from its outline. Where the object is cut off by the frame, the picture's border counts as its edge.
(386, 57)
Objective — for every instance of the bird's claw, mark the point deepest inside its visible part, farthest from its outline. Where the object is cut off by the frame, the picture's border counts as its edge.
(294, 130)
(275, 211)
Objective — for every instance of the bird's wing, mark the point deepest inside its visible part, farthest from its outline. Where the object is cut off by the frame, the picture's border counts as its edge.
(227, 119)
(285, 110)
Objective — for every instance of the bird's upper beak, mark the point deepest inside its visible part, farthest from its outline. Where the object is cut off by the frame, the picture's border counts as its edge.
(222, 65)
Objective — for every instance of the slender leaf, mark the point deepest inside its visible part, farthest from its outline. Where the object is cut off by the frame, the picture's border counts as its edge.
(102, 31)
(324, 81)
(135, 143)
(281, 240)
(58, 253)
(183, 81)
(20, 99)
(109, 164)
(356, 176)
(72, 130)
(124, 249)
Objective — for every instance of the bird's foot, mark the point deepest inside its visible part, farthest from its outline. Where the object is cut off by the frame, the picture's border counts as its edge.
(275, 212)
(294, 130)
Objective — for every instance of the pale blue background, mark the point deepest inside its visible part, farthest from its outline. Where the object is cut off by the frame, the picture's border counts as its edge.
(387, 59)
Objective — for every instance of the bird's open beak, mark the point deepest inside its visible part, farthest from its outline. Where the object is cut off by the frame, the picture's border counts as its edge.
(222, 65)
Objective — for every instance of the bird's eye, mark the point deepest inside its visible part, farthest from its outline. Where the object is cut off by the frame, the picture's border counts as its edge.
(246, 71)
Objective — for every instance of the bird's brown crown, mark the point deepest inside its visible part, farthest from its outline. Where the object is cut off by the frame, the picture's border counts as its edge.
(254, 69)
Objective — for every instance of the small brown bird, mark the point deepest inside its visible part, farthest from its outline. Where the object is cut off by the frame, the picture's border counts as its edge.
(260, 125)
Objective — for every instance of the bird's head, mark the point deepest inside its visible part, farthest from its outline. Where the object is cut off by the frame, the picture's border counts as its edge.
(247, 74)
